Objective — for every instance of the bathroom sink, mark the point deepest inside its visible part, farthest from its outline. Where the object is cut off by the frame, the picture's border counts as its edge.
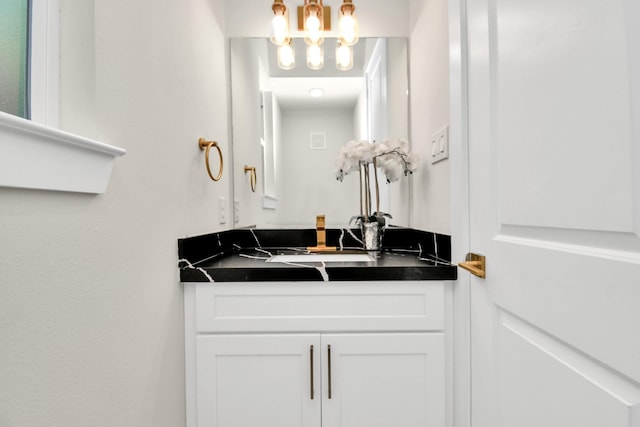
(332, 257)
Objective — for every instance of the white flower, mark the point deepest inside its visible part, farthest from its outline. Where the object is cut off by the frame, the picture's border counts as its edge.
(393, 157)
(413, 160)
(393, 173)
(379, 148)
(350, 156)
(362, 152)
(403, 145)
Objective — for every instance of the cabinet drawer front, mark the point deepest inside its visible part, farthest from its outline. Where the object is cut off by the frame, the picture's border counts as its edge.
(256, 307)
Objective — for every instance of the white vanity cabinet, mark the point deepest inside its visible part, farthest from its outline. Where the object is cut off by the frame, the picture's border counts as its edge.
(257, 380)
(307, 354)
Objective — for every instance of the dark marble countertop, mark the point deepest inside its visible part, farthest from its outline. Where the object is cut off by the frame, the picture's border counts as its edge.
(243, 255)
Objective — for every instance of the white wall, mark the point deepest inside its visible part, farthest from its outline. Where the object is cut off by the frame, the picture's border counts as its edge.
(91, 318)
(429, 83)
(308, 176)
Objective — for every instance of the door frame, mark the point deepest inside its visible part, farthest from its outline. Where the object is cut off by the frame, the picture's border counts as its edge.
(459, 150)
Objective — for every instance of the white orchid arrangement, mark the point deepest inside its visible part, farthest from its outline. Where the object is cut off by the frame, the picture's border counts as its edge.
(394, 158)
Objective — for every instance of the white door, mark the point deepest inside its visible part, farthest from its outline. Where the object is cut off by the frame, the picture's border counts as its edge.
(383, 380)
(263, 380)
(554, 168)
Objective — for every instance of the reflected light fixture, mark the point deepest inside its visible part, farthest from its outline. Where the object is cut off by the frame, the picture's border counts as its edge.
(280, 24)
(315, 57)
(286, 56)
(344, 57)
(348, 24)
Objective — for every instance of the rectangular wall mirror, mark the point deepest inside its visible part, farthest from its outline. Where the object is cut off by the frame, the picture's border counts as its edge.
(292, 138)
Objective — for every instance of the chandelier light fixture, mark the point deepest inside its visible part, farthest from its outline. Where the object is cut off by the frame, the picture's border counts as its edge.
(313, 20)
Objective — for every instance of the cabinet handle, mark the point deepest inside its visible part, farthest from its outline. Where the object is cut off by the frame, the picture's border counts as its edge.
(311, 391)
(329, 368)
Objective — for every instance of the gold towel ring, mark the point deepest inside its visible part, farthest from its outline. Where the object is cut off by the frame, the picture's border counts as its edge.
(202, 143)
(253, 179)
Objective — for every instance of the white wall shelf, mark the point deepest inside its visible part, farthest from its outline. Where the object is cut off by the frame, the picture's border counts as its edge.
(36, 156)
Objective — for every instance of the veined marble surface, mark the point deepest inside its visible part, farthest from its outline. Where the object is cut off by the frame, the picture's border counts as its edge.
(243, 256)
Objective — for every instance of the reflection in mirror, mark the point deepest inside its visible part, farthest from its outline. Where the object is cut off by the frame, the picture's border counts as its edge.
(293, 138)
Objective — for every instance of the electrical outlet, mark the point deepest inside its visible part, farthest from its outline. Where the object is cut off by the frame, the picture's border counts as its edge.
(222, 217)
(236, 211)
(440, 145)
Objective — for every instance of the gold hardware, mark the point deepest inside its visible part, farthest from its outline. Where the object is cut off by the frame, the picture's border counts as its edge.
(321, 237)
(320, 229)
(347, 7)
(311, 370)
(329, 366)
(202, 143)
(278, 7)
(475, 264)
(326, 18)
(253, 179)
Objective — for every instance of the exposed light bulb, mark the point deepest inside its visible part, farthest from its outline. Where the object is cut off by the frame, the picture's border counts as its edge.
(348, 30)
(314, 32)
(286, 57)
(280, 23)
(280, 29)
(315, 57)
(348, 24)
(344, 57)
(313, 23)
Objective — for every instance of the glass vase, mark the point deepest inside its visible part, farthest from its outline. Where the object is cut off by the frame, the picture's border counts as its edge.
(371, 235)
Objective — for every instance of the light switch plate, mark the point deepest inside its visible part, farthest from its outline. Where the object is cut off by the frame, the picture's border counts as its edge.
(236, 211)
(440, 145)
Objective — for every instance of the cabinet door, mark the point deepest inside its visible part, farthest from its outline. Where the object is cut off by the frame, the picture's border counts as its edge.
(258, 381)
(382, 380)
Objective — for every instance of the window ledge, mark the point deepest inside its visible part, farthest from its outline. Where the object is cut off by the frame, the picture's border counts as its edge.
(36, 156)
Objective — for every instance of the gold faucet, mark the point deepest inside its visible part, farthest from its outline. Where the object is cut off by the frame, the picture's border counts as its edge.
(321, 237)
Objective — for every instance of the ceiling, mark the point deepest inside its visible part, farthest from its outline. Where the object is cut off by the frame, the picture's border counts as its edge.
(339, 92)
